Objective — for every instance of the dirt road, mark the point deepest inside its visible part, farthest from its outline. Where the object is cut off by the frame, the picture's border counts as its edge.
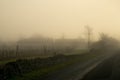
(77, 71)
(107, 70)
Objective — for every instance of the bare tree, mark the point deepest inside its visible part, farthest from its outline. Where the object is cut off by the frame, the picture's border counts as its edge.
(106, 43)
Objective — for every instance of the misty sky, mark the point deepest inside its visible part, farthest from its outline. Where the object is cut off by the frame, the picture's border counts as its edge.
(23, 18)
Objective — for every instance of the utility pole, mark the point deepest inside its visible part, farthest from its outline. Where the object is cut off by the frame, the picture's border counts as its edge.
(17, 50)
(89, 33)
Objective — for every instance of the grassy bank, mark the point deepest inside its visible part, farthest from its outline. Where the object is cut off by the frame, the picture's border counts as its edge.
(41, 72)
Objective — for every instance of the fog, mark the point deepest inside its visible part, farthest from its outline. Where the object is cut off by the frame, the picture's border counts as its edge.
(59, 39)
(53, 18)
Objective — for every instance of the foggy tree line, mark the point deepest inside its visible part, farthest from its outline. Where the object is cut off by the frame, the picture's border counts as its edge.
(44, 46)
(39, 46)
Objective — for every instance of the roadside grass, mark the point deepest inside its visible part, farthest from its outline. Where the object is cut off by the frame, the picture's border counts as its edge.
(39, 74)
(77, 52)
(7, 61)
